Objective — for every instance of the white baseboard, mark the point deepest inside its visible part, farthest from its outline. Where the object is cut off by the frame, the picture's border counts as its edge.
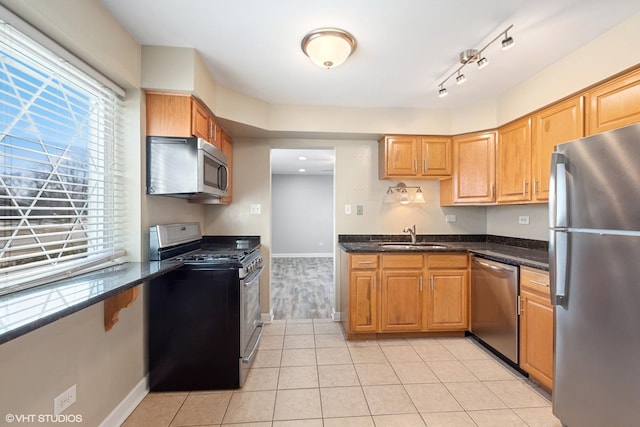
(128, 404)
(267, 317)
(307, 255)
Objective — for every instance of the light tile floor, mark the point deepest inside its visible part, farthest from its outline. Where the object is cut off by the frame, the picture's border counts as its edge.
(306, 374)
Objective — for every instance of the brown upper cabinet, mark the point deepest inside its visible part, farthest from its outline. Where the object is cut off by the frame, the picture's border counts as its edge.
(180, 115)
(554, 125)
(614, 104)
(513, 177)
(183, 115)
(474, 169)
(414, 157)
(524, 147)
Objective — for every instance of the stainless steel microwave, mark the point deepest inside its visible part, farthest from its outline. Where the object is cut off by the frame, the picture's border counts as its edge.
(190, 168)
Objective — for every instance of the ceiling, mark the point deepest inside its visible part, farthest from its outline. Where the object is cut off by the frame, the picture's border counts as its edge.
(405, 47)
(290, 161)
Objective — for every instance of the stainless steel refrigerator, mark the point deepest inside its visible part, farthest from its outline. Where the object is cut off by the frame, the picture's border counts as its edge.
(594, 244)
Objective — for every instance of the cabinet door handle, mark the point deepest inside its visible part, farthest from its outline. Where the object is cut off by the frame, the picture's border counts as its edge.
(431, 282)
(374, 283)
(520, 309)
(493, 190)
(524, 187)
(365, 262)
(420, 283)
(535, 186)
(415, 165)
(424, 165)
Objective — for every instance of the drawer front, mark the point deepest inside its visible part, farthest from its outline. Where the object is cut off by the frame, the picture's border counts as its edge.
(364, 261)
(535, 280)
(402, 261)
(448, 261)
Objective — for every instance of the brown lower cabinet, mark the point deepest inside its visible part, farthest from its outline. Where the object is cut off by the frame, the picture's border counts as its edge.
(404, 293)
(536, 326)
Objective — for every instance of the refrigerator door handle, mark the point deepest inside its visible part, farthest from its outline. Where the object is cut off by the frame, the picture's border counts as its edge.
(558, 256)
(558, 191)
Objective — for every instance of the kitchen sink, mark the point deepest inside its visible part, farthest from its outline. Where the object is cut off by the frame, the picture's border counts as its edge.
(419, 245)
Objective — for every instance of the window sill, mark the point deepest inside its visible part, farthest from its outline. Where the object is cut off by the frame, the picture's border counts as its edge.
(28, 310)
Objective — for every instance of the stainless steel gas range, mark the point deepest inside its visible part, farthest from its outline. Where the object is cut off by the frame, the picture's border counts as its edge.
(204, 317)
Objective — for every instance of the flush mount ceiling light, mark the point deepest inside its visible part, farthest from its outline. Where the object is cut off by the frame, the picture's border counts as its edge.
(470, 56)
(328, 47)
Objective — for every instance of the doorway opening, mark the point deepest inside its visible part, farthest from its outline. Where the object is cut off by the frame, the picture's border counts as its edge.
(302, 233)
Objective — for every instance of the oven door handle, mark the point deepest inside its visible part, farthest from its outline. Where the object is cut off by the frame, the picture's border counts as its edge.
(247, 358)
(251, 279)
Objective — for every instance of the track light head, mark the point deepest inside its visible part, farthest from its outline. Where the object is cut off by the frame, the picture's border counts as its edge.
(482, 62)
(507, 42)
(460, 78)
(442, 92)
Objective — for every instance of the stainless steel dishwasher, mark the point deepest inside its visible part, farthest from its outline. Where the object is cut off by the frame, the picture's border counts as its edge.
(494, 305)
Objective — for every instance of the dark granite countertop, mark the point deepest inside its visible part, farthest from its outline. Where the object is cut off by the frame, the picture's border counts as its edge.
(33, 308)
(27, 310)
(506, 250)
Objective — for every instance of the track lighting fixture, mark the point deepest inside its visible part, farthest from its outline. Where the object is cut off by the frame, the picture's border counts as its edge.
(470, 56)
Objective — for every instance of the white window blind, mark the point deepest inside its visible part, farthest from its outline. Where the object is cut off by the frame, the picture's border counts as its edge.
(62, 199)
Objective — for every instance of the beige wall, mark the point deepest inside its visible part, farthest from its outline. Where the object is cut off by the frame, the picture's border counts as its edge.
(605, 56)
(105, 366)
(503, 221)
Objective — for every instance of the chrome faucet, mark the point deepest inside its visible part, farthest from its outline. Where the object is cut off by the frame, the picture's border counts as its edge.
(411, 230)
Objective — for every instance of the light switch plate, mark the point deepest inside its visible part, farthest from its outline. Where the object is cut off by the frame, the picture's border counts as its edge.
(255, 209)
(347, 209)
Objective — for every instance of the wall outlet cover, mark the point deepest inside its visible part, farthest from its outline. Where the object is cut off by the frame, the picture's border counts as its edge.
(64, 400)
(255, 209)
(359, 210)
(523, 219)
(450, 218)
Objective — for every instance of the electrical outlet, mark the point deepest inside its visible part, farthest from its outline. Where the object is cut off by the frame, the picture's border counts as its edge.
(359, 210)
(64, 400)
(347, 209)
(450, 218)
(523, 219)
(255, 209)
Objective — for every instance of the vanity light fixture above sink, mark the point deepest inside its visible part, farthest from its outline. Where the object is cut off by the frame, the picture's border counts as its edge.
(399, 193)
